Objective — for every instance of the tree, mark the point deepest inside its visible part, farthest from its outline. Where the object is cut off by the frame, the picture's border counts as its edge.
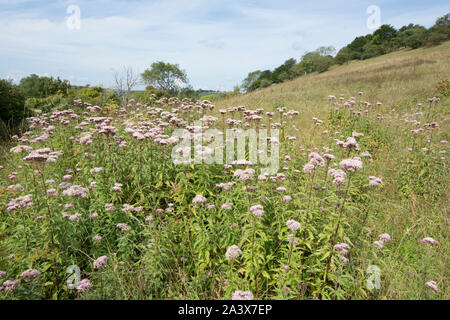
(413, 36)
(165, 76)
(356, 47)
(12, 103)
(344, 55)
(319, 60)
(251, 78)
(35, 86)
(323, 63)
(123, 84)
(385, 33)
(283, 72)
(326, 51)
(440, 32)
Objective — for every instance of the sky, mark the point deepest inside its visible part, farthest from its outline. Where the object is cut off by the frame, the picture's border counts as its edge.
(216, 42)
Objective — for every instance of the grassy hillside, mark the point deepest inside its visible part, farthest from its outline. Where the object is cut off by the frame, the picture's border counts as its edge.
(361, 194)
(402, 79)
(410, 205)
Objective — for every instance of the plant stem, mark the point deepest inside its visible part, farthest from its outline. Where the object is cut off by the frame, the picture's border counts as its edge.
(336, 232)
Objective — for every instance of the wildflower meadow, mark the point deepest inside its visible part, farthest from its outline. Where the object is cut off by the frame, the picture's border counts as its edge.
(94, 199)
(331, 184)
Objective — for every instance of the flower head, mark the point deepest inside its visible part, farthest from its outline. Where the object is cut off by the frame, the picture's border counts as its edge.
(100, 263)
(351, 165)
(257, 210)
(20, 203)
(374, 181)
(429, 240)
(10, 285)
(309, 168)
(227, 205)
(124, 227)
(293, 225)
(233, 252)
(379, 244)
(117, 187)
(199, 199)
(76, 191)
(385, 237)
(30, 274)
(432, 285)
(316, 159)
(84, 285)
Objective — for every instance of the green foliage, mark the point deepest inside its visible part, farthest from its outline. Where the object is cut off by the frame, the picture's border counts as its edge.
(35, 86)
(412, 36)
(344, 55)
(284, 72)
(440, 32)
(319, 60)
(165, 76)
(386, 39)
(251, 78)
(48, 103)
(12, 106)
(95, 95)
(90, 93)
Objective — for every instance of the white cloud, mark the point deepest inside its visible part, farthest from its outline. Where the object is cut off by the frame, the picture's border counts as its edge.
(215, 43)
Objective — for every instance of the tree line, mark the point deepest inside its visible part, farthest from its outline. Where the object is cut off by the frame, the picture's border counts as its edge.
(383, 40)
(34, 92)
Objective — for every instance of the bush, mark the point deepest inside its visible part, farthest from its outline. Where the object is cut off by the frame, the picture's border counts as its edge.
(34, 86)
(12, 104)
(49, 103)
(443, 87)
(94, 95)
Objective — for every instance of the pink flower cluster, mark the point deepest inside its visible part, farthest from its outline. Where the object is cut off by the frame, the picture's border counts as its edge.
(84, 285)
(293, 225)
(10, 285)
(351, 165)
(432, 285)
(338, 176)
(124, 227)
(342, 249)
(233, 252)
(384, 238)
(244, 175)
(257, 210)
(76, 191)
(30, 274)
(100, 262)
(20, 203)
(199, 199)
(374, 181)
(127, 208)
(429, 240)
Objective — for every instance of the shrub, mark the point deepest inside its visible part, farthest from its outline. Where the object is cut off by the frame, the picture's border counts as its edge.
(12, 106)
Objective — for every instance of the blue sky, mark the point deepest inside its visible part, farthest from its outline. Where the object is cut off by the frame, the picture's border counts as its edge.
(217, 42)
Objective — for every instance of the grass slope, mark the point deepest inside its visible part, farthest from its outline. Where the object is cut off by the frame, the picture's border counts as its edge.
(400, 80)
